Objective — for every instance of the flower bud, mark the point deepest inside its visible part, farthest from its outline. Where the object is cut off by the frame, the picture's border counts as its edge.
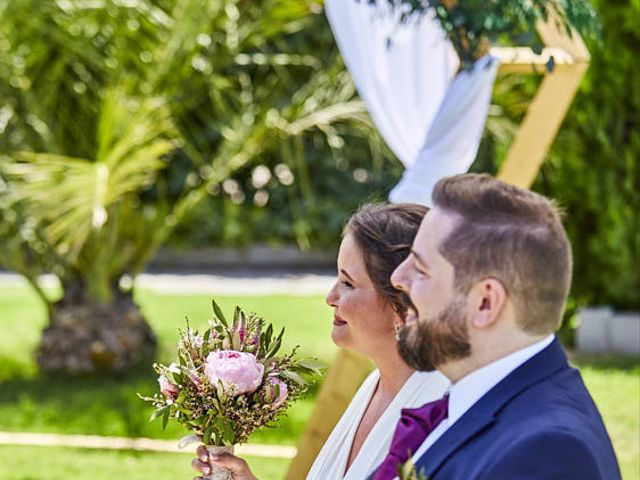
(167, 388)
(275, 392)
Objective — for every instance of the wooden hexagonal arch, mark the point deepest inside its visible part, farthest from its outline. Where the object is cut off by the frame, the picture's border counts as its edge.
(570, 59)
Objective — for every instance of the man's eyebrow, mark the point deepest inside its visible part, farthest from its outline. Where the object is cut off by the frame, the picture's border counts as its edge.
(419, 258)
(344, 272)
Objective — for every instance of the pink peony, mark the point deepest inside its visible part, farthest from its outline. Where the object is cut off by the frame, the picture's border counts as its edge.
(167, 388)
(239, 372)
(270, 391)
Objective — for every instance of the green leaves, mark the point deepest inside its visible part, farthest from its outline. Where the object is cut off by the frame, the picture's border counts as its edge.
(97, 102)
(217, 311)
(408, 471)
(72, 198)
(163, 412)
(220, 432)
(296, 377)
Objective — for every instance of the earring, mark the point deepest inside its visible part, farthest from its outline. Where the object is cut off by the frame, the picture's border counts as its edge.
(396, 328)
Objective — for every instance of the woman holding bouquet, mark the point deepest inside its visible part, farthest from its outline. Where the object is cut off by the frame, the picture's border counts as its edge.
(367, 313)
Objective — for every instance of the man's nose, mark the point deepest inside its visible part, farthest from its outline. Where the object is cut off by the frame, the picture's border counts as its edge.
(399, 276)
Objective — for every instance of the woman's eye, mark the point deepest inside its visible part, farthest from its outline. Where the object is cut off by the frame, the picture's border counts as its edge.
(346, 284)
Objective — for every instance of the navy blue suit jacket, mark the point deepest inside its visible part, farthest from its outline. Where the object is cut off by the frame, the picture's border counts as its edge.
(538, 423)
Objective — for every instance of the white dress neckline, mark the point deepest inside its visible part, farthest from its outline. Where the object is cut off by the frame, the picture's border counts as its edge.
(420, 388)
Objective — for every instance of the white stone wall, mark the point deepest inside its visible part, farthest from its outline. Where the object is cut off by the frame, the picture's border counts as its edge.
(602, 330)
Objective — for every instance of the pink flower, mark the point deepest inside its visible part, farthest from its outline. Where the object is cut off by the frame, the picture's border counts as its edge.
(270, 391)
(167, 388)
(239, 372)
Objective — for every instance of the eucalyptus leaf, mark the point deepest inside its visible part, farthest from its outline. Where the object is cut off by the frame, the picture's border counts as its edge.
(218, 313)
(165, 418)
(158, 413)
(206, 437)
(296, 377)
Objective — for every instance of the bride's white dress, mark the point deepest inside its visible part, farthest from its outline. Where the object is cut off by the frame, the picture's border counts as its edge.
(420, 388)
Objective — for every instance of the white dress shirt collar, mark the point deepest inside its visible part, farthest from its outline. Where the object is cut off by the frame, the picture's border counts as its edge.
(467, 391)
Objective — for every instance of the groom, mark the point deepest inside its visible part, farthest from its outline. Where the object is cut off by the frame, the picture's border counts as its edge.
(489, 274)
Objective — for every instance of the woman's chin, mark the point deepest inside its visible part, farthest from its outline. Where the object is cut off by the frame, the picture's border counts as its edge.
(339, 336)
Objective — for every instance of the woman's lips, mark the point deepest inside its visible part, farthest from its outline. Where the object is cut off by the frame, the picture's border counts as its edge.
(337, 321)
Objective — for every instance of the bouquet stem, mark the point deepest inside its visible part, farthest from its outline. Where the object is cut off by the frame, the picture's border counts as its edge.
(218, 473)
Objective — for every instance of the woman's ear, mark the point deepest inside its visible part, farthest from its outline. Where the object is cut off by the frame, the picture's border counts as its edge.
(488, 298)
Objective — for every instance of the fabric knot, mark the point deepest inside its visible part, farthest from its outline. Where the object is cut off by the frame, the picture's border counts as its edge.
(414, 426)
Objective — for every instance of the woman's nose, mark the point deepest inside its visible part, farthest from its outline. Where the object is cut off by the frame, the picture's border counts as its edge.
(332, 295)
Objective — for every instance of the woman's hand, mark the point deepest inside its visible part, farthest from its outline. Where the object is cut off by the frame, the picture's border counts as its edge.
(238, 467)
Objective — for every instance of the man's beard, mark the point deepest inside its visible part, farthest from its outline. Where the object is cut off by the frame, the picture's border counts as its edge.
(431, 342)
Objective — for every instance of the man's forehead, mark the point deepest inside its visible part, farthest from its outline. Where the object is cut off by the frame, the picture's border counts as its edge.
(435, 227)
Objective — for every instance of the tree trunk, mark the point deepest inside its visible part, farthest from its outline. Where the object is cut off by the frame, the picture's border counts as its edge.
(85, 337)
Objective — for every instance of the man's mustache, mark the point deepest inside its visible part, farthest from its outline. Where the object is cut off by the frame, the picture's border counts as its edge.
(406, 301)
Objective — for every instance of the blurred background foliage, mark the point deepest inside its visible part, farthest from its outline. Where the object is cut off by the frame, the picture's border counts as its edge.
(233, 82)
(591, 170)
(117, 118)
(272, 145)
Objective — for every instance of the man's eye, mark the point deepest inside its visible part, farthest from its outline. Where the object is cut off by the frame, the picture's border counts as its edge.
(420, 271)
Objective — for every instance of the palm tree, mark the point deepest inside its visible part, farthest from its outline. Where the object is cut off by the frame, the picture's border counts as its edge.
(118, 117)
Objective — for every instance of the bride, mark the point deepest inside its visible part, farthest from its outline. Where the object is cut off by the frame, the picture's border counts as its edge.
(367, 313)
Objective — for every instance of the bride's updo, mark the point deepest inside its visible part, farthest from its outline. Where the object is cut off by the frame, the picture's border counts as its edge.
(384, 233)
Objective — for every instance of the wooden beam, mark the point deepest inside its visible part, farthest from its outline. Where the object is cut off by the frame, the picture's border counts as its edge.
(343, 380)
(547, 109)
(540, 126)
(524, 60)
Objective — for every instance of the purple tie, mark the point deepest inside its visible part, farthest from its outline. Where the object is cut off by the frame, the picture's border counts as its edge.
(414, 426)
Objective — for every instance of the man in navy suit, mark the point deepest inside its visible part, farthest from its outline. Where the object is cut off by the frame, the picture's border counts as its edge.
(488, 275)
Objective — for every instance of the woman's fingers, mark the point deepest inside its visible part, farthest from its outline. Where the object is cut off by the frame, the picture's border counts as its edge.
(204, 463)
(238, 467)
(200, 466)
(202, 454)
(233, 463)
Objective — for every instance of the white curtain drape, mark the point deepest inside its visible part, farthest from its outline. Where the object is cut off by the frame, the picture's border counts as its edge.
(431, 117)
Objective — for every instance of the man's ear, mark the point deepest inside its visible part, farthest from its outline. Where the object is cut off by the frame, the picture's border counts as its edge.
(487, 299)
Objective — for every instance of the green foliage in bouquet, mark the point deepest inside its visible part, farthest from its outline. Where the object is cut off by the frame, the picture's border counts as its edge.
(408, 471)
(469, 23)
(229, 381)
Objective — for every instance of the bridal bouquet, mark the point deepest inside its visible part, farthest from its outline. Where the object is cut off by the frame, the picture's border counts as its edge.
(228, 381)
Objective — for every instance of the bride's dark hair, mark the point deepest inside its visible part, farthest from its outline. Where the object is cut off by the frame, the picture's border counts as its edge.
(384, 233)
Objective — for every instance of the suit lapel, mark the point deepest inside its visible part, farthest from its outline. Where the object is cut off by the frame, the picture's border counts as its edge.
(483, 413)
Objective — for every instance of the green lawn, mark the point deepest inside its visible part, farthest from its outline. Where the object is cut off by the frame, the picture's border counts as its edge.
(37, 403)
(53, 463)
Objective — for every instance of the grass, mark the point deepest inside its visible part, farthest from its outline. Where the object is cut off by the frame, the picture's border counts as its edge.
(614, 384)
(38, 403)
(53, 463)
